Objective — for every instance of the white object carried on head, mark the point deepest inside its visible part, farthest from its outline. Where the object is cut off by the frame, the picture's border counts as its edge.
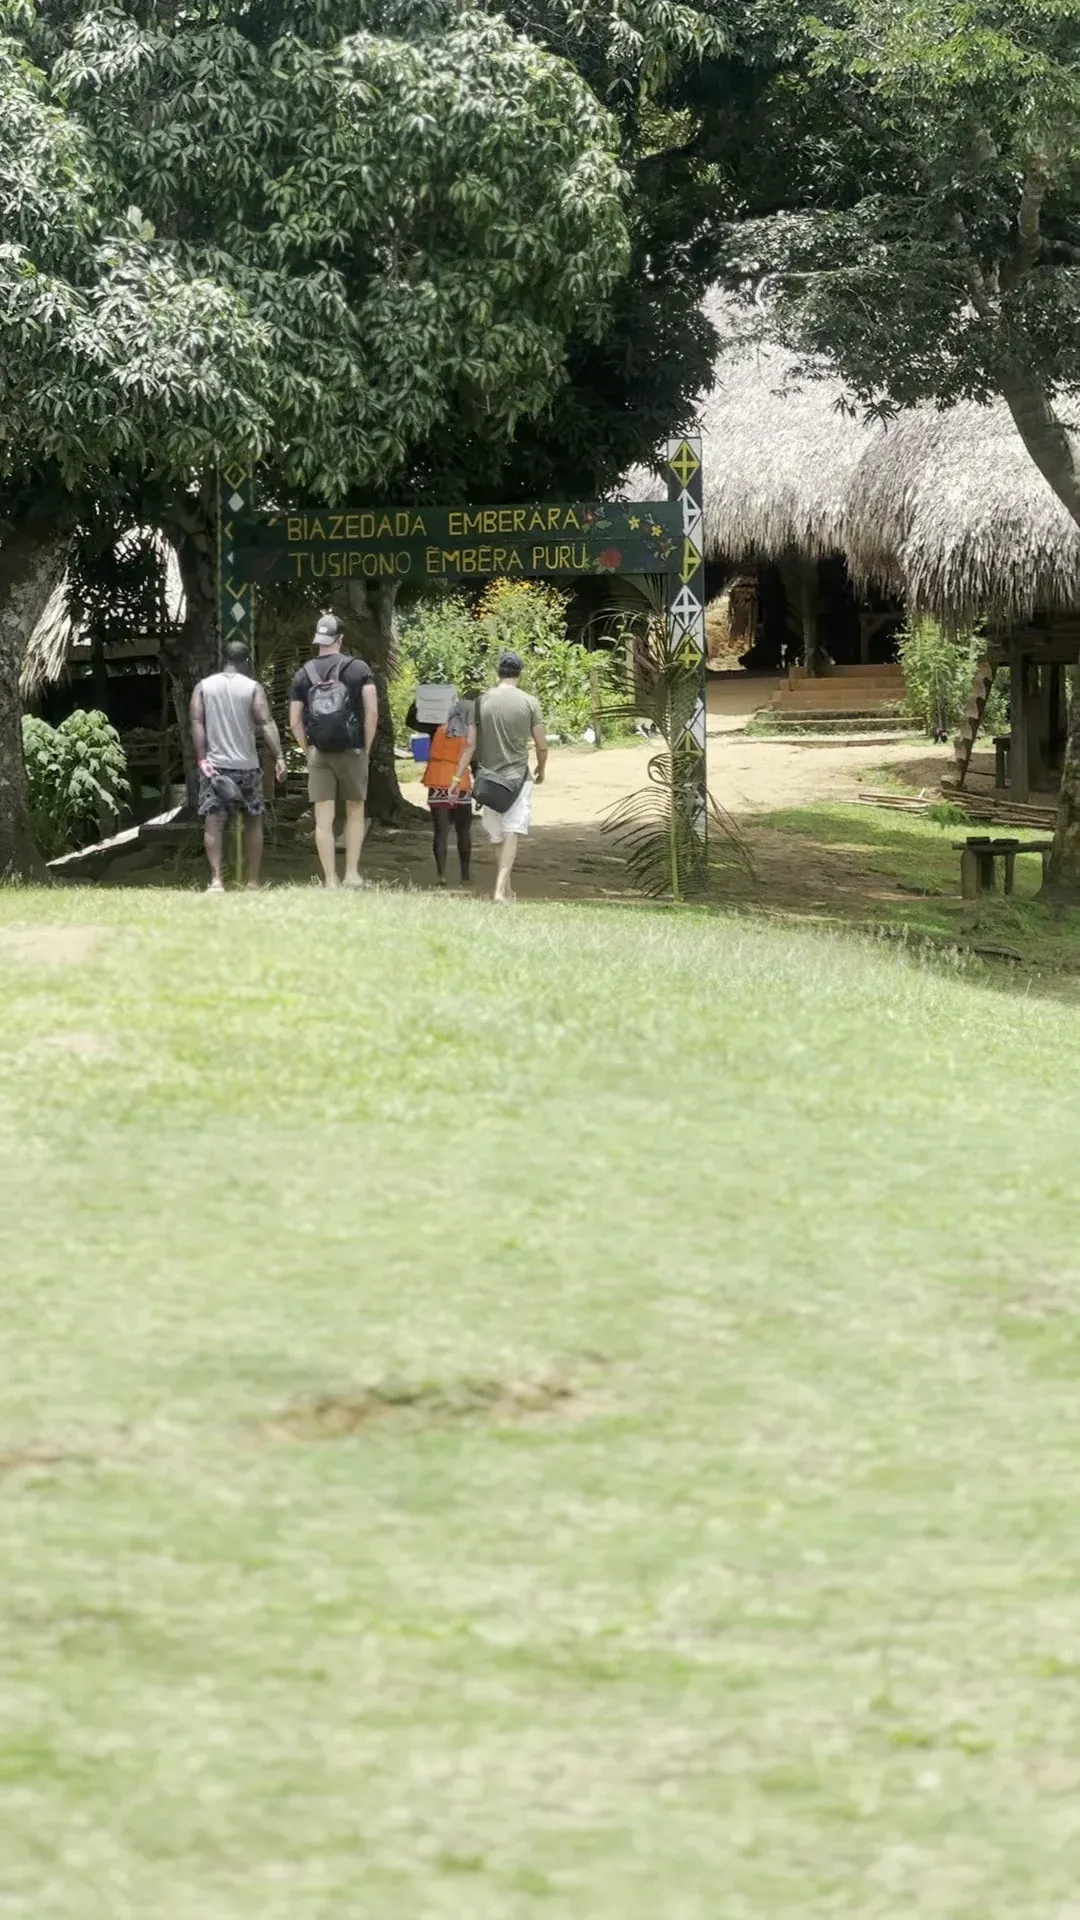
(434, 699)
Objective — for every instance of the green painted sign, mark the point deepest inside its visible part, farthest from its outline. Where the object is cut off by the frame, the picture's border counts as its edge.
(427, 544)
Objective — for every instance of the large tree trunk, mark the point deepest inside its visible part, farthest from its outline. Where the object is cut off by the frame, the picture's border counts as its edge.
(1055, 455)
(194, 651)
(372, 608)
(32, 561)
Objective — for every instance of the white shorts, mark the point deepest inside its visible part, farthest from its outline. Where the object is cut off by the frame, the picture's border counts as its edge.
(516, 819)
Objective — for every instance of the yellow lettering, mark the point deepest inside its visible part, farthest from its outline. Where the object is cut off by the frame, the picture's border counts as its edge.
(515, 563)
(386, 563)
(419, 525)
(473, 522)
(401, 525)
(317, 566)
(404, 561)
(336, 524)
(537, 520)
(371, 565)
(538, 559)
(385, 528)
(571, 520)
(298, 562)
(367, 526)
(334, 563)
(352, 526)
(314, 530)
(498, 559)
(295, 528)
(468, 560)
(491, 520)
(485, 560)
(455, 525)
(553, 519)
(519, 520)
(581, 558)
(565, 561)
(355, 562)
(431, 561)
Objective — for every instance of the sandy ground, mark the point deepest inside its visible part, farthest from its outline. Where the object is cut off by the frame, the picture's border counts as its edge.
(567, 855)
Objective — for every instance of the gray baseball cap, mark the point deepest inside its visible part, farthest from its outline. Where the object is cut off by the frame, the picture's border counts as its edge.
(328, 630)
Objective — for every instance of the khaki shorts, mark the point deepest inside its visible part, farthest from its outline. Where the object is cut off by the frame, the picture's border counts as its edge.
(327, 772)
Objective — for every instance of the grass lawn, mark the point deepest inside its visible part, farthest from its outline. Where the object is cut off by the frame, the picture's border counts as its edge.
(920, 855)
(560, 1413)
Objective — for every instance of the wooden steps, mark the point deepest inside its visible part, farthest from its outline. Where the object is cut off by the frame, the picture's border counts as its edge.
(844, 700)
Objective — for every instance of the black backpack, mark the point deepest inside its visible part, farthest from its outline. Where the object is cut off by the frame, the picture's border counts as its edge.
(333, 724)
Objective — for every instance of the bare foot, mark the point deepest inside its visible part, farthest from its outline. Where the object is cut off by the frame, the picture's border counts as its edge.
(352, 883)
(216, 886)
(253, 886)
(332, 884)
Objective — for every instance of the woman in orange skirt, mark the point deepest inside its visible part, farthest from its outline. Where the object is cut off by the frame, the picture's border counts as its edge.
(448, 781)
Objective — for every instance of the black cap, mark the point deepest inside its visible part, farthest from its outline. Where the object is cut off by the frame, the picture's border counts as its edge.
(511, 665)
(328, 630)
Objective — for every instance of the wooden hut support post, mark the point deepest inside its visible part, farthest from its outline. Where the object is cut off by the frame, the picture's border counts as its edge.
(1019, 759)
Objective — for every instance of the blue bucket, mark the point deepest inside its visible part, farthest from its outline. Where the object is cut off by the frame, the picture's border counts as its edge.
(421, 748)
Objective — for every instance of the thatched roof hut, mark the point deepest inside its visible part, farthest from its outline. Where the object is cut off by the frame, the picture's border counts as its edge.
(781, 441)
(950, 510)
(59, 636)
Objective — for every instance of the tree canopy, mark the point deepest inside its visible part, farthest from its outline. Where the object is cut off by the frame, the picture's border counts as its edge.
(947, 265)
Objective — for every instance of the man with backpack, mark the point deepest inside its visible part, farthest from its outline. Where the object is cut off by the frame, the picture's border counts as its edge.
(333, 714)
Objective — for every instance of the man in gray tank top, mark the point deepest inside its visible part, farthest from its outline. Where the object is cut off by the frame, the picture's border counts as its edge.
(230, 713)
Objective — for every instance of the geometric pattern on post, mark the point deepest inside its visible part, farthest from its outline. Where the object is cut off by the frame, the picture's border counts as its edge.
(236, 598)
(686, 612)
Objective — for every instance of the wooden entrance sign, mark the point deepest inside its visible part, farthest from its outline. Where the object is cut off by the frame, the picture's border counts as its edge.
(323, 547)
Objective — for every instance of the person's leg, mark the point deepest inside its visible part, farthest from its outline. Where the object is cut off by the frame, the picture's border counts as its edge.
(324, 839)
(507, 856)
(214, 842)
(354, 841)
(463, 829)
(440, 833)
(253, 848)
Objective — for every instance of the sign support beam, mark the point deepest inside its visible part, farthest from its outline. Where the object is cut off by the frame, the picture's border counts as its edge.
(686, 615)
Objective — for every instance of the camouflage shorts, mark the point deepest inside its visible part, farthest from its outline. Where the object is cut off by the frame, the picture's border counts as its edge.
(248, 798)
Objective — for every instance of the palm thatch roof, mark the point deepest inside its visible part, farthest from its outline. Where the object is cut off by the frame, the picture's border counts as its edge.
(950, 510)
(781, 440)
(58, 633)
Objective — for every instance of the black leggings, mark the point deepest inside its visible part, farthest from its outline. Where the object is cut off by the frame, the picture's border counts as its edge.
(440, 822)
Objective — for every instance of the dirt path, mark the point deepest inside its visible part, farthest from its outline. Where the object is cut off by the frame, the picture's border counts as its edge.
(568, 857)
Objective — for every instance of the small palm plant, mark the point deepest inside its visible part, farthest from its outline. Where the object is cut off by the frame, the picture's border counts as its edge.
(673, 834)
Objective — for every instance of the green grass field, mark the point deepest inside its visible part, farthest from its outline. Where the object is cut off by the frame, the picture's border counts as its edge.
(561, 1413)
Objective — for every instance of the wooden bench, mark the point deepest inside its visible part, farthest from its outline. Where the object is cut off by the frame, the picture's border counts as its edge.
(978, 854)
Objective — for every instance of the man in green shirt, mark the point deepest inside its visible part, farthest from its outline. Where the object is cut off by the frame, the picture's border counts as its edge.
(509, 722)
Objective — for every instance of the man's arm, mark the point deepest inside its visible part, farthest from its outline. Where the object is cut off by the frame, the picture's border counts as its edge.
(296, 724)
(540, 742)
(197, 718)
(371, 714)
(467, 751)
(266, 727)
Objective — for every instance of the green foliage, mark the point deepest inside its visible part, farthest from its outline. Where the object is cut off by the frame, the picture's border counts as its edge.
(414, 205)
(446, 638)
(935, 258)
(77, 776)
(938, 672)
(657, 827)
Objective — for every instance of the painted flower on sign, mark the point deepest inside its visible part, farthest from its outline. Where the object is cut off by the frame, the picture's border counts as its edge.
(609, 558)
